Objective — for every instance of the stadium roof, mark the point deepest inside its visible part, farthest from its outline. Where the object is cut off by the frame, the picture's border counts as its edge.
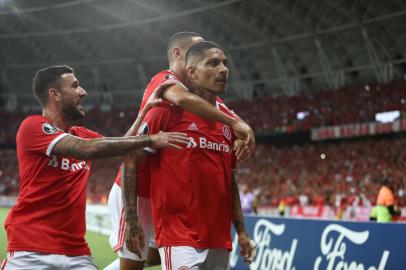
(276, 46)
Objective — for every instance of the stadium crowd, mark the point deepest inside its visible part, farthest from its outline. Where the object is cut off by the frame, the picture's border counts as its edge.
(347, 105)
(335, 173)
(352, 104)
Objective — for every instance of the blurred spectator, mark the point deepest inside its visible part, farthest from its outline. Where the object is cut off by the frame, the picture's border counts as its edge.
(9, 179)
(386, 208)
(247, 199)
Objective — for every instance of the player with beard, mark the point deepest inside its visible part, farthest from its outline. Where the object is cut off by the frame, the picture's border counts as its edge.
(171, 86)
(194, 194)
(46, 227)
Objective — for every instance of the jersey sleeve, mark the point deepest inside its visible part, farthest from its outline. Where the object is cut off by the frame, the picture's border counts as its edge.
(223, 107)
(85, 133)
(156, 120)
(38, 135)
(158, 84)
(165, 83)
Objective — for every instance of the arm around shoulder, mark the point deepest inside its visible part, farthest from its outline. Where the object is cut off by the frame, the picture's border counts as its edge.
(179, 96)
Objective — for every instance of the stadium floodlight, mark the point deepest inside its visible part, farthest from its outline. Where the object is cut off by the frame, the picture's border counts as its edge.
(302, 115)
(3, 3)
(9, 5)
(386, 117)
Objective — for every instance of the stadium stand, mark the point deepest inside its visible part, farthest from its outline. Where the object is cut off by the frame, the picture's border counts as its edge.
(352, 104)
(333, 173)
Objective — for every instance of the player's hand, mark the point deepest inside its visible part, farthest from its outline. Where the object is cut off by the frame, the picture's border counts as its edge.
(244, 132)
(241, 151)
(248, 247)
(169, 139)
(134, 237)
(155, 98)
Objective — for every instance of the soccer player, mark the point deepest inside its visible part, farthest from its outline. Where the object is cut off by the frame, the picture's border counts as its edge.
(194, 194)
(46, 227)
(170, 85)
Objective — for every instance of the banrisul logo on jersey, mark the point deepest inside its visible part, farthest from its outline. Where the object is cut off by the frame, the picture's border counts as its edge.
(204, 143)
(67, 164)
(299, 244)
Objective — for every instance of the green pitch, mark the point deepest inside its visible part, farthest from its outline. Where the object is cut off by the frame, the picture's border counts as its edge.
(3, 238)
(99, 245)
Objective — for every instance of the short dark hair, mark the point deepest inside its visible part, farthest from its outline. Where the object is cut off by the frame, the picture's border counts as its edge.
(178, 40)
(46, 78)
(198, 49)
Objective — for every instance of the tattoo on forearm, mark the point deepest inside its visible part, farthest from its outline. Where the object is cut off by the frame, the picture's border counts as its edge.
(100, 148)
(129, 188)
(237, 215)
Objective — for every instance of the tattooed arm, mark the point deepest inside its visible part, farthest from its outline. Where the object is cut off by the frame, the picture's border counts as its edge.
(247, 248)
(85, 149)
(134, 235)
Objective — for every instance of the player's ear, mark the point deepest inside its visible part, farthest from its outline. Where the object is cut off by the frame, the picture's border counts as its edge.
(176, 53)
(54, 94)
(191, 72)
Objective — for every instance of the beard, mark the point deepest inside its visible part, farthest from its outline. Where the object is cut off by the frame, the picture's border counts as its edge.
(71, 113)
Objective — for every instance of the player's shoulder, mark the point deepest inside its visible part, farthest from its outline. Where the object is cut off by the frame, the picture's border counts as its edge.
(164, 113)
(83, 132)
(163, 76)
(33, 119)
(165, 108)
(35, 122)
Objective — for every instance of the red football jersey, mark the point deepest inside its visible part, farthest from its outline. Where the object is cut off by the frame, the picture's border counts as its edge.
(191, 188)
(49, 216)
(165, 77)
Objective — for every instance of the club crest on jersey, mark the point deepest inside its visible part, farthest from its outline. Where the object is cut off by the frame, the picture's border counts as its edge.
(144, 129)
(227, 132)
(49, 128)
